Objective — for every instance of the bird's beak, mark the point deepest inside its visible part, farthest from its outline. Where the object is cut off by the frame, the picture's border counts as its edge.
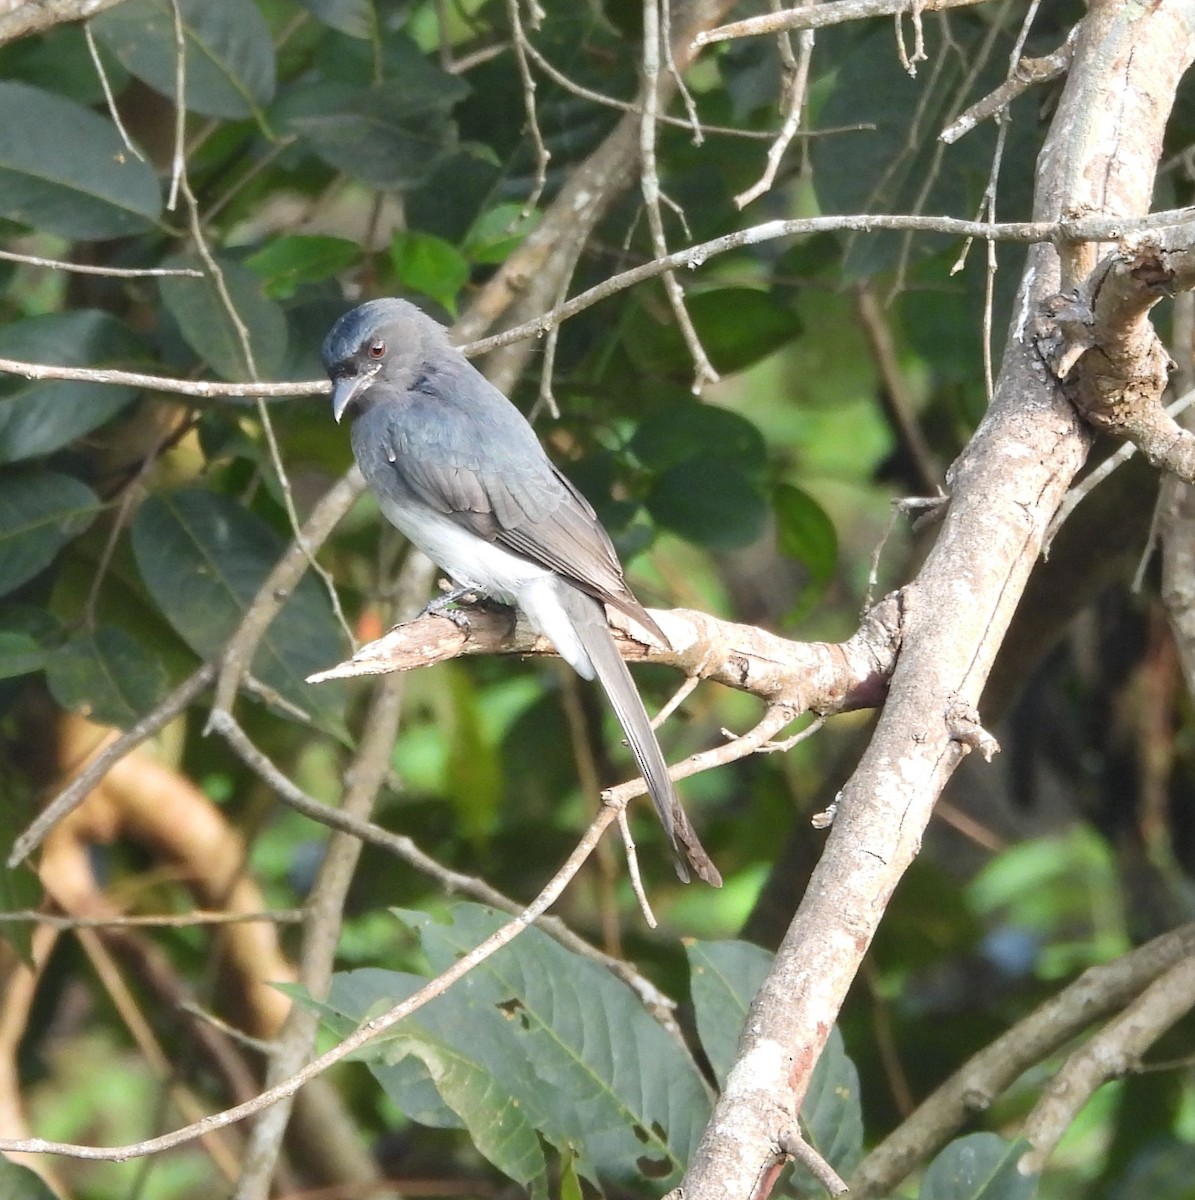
(346, 389)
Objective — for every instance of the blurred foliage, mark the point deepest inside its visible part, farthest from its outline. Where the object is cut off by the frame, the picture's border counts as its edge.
(338, 149)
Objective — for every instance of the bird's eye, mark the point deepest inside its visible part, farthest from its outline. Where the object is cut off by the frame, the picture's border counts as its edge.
(377, 349)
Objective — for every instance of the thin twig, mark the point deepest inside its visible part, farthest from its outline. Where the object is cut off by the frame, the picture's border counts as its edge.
(542, 155)
(178, 160)
(183, 920)
(109, 98)
(57, 264)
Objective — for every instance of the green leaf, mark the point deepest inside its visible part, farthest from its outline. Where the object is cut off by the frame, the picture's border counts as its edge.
(287, 262)
(980, 1166)
(20, 654)
(709, 501)
(430, 265)
(19, 886)
(497, 232)
(20, 1183)
(229, 59)
(391, 135)
(204, 321)
(64, 169)
(203, 558)
(356, 18)
(805, 532)
(832, 1112)
(569, 1044)
(724, 977)
(688, 429)
(40, 511)
(107, 676)
(737, 327)
(39, 416)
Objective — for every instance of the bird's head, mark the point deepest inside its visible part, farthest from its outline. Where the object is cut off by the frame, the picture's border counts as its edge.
(381, 341)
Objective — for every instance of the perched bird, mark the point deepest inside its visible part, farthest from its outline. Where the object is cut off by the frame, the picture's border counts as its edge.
(457, 468)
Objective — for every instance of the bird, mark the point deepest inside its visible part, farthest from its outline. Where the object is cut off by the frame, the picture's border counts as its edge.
(457, 468)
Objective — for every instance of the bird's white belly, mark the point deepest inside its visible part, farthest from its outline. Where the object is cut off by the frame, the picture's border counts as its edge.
(469, 560)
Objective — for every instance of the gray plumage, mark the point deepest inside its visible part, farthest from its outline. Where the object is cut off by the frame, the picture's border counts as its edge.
(457, 468)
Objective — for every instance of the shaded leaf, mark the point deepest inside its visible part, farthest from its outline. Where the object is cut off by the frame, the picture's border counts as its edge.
(19, 886)
(355, 18)
(20, 654)
(287, 262)
(229, 52)
(391, 135)
(980, 1166)
(689, 428)
(40, 511)
(203, 559)
(805, 532)
(832, 1111)
(724, 977)
(64, 169)
(20, 1183)
(208, 329)
(429, 265)
(38, 416)
(737, 327)
(107, 676)
(497, 232)
(709, 501)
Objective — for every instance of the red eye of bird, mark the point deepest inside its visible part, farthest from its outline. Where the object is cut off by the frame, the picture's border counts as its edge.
(377, 349)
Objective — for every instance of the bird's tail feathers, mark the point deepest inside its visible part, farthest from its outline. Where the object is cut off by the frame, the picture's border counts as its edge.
(588, 620)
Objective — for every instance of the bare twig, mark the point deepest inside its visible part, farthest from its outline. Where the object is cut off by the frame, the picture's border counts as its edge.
(542, 156)
(833, 12)
(57, 264)
(109, 98)
(182, 920)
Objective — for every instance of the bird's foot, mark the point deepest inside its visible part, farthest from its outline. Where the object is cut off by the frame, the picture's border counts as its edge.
(450, 605)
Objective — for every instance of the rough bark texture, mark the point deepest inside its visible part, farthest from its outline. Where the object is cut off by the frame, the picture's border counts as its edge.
(1100, 157)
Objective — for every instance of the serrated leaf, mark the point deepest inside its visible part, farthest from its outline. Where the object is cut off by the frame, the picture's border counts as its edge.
(564, 1040)
(203, 558)
(356, 18)
(204, 321)
(287, 262)
(709, 501)
(688, 428)
(39, 416)
(40, 511)
(107, 676)
(980, 1166)
(429, 265)
(229, 52)
(20, 1183)
(723, 979)
(66, 170)
(391, 136)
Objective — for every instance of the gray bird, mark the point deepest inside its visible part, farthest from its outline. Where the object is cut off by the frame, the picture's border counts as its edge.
(457, 468)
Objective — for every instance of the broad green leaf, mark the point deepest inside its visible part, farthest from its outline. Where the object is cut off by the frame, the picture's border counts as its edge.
(832, 1111)
(203, 558)
(287, 262)
(107, 676)
(723, 979)
(40, 511)
(229, 52)
(688, 428)
(64, 169)
(204, 321)
(805, 532)
(564, 1040)
(20, 654)
(39, 416)
(709, 501)
(356, 18)
(20, 1183)
(737, 327)
(429, 265)
(497, 232)
(390, 136)
(980, 1166)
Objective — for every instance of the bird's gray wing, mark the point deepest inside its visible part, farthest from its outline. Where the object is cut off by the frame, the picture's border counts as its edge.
(463, 449)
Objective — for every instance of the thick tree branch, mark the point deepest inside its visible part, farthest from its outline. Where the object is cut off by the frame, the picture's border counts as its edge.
(1100, 157)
